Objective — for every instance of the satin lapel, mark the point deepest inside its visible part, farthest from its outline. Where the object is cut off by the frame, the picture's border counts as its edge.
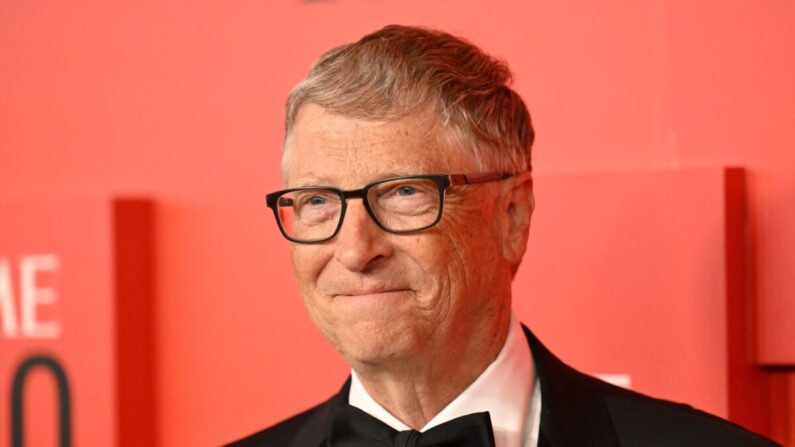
(573, 412)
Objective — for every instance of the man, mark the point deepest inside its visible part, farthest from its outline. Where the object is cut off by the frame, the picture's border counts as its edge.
(408, 202)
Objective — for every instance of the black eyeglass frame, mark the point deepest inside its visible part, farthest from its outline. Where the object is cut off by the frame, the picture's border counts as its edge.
(443, 182)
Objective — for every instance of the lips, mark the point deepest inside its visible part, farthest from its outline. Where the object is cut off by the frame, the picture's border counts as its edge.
(370, 292)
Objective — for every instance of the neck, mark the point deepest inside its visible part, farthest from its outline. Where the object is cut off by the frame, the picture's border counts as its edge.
(416, 389)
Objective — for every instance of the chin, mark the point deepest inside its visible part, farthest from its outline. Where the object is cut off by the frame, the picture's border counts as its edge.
(376, 347)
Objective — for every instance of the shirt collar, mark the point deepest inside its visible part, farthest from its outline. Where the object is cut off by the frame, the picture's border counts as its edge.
(503, 389)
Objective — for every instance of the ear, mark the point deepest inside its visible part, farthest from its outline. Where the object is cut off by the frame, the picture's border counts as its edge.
(516, 209)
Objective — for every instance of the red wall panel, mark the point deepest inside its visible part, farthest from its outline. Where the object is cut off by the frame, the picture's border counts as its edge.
(635, 273)
(75, 288)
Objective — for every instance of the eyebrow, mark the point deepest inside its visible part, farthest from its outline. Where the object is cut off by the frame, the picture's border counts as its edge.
(325, 181)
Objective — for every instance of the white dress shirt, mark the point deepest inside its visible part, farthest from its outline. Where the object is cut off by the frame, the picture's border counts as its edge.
(503, 389)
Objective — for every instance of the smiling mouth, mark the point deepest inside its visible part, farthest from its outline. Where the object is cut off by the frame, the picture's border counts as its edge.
(372, 293)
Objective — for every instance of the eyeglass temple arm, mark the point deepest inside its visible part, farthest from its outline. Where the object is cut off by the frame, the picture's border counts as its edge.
(468, 179)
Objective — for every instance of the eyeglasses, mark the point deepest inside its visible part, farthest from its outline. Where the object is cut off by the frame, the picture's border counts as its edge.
(397, 205)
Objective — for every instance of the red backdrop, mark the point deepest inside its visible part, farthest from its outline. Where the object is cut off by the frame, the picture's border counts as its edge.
(182, 102)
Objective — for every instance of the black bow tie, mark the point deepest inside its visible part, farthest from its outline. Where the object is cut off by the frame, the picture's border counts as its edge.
(352, 427)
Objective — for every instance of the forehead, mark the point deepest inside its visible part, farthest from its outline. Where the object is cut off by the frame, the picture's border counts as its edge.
(326, 148)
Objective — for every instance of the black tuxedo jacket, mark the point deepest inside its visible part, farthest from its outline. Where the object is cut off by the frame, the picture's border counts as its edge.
(576, 410)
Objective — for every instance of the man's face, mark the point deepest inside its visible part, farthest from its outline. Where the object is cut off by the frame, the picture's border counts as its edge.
(381, 297)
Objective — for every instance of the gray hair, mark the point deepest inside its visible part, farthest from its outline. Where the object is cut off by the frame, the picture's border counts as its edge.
(399, 70)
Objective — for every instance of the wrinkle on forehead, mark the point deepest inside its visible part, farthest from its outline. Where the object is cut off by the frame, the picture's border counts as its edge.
(348, 153)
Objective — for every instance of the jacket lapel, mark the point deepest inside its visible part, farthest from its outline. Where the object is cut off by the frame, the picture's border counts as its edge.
(573, 412)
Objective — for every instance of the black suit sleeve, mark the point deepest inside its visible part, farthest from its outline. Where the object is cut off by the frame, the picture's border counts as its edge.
(643, 421)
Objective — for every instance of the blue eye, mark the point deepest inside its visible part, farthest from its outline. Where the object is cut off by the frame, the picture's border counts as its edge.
(316, 201)
(406, 191)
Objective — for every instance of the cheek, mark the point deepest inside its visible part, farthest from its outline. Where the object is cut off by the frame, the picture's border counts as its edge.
(443, 269)
(307, 263)
(472, 247)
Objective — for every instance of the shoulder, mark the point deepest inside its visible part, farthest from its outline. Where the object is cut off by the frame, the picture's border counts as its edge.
(581, 410)
(305, 430)
(640, 420)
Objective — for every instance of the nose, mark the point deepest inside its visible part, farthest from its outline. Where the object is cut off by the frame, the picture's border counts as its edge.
(360, 243)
